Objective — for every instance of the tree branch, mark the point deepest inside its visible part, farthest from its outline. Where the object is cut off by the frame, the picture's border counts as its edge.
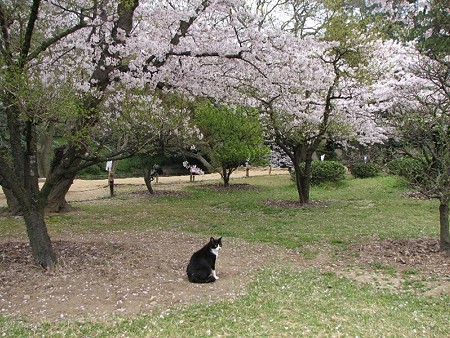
(29, 32)
(181, 32)
(55, 39)
(4, 31)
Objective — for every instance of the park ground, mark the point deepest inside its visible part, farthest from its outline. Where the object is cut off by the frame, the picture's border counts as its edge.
(122, 272)
(134, 271)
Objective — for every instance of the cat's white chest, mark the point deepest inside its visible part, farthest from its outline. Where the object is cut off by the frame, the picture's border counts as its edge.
(216, 251)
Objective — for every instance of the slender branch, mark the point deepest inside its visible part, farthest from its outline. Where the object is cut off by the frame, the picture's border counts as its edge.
(181, 32)
(206, 54)
(46, 44)
(72, 11)
(29, 32)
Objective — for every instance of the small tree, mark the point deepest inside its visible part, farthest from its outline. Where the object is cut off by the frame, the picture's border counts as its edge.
(231, 137)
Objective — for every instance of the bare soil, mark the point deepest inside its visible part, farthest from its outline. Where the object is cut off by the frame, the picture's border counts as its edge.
(139, 272)
(122, 273)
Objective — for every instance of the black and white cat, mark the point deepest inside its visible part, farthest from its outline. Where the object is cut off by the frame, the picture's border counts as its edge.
(202, 266)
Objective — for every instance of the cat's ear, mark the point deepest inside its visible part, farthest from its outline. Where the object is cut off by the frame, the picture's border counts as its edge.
(211, 240)
(219, 240)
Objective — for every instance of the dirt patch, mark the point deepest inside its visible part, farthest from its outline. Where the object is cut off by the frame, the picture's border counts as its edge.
(230, 187)
(140, 272)
(122, 273)
(295, 204)
(420, 253)
(160, 193)
(415, 195)
(410, 265)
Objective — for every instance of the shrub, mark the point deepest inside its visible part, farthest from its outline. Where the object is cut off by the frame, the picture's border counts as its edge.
(325, 171)
(129, 167)
(365, 170)
(407, 167)
(94, 171)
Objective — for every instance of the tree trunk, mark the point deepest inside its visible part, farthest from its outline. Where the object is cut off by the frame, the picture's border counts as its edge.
(148, 180)
(306, 180)
(45, 151)
(56, 201)
(225, 177)
(41, 245)
(13, 206)
(444, 244)
(303, 181)
(111, 183)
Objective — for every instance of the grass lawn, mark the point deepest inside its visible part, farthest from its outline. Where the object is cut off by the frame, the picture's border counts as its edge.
(280, 301)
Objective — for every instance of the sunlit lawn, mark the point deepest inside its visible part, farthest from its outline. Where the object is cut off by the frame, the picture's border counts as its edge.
(280, 301)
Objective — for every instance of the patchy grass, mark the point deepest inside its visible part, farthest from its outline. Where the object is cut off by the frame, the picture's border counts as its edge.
(360, 209)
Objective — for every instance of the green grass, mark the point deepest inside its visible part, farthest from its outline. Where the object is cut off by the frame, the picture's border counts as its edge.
(360, 211)
(279, 301)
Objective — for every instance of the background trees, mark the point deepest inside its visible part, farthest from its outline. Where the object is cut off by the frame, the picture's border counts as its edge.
(230, 137)
(306, 88)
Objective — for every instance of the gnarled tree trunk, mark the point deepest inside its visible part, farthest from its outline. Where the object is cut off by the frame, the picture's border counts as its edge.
(13, 206)
(56, 201)
(41, 245)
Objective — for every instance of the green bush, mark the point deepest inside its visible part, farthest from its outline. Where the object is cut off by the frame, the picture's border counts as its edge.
(94, 171)
(366, 170)
(129, 167)
(324, 172)
(406, 167)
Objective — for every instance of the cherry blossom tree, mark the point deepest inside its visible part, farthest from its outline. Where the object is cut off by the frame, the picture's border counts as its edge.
(307, 90)
(422, 124)
(416, 98)
(417, 106)
(311, 112)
